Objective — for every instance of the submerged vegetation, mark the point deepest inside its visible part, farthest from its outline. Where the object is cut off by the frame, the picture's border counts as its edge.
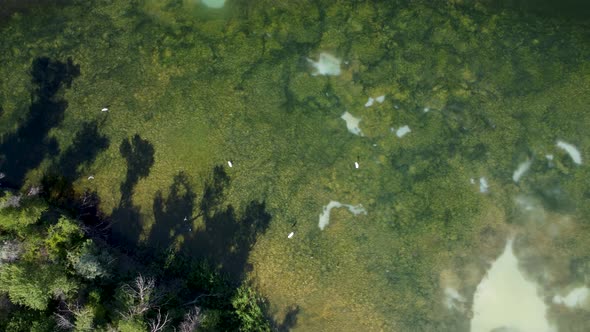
(126, 218)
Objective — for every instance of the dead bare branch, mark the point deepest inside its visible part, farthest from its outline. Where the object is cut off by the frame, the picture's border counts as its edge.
(63, 322)
(159, 323)
(192, 320)
(142, 295)
(68, 312)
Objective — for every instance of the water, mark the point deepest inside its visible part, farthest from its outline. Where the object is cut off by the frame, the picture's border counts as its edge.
(189, 88)
(505, 299)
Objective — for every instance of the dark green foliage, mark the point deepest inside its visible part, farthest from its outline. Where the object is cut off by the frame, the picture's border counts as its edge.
(247, 308)
(33, 285)
(61, 263)
(28, 321)
(17, 212)
(62, 237)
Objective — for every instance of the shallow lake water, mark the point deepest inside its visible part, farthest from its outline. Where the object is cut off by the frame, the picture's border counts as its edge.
(505, 299)
(415, 134)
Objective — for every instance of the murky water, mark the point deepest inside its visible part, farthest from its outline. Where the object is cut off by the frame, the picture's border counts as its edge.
(442, 128)
(506, 300)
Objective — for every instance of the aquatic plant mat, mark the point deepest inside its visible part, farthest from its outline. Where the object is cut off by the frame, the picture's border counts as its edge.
(218, 132)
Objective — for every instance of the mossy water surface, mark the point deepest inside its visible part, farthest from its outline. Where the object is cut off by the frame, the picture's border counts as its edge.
(482, 91)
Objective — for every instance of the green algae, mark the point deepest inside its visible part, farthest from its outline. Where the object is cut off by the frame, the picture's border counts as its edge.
(205, 87)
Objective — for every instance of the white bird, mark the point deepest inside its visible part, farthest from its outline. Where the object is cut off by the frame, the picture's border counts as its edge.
(91, 177)
(229, 163)
(104, 109)
(356, 164)
(290, 235)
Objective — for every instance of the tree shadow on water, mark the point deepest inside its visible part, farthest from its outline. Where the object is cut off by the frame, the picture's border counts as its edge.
(172, 214)
(26, 148)
(88, 143)
(126, 217)
(226, 238)
(290, 320)
(213, 192)
(57, 181)
(139, 154)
